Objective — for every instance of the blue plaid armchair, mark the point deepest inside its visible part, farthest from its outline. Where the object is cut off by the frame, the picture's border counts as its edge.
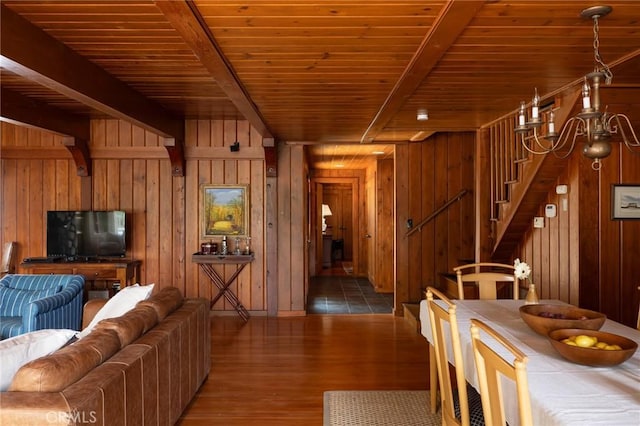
(36, 302)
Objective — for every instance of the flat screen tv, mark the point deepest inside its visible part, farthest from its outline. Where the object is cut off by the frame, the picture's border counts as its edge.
(78, 235)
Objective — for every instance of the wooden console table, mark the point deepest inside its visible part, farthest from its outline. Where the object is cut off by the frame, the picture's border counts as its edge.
(125, 271)
(207, 262)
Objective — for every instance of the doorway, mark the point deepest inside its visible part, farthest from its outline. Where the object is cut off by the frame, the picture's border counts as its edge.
(340, 283)
(338, 245)
(339, 199)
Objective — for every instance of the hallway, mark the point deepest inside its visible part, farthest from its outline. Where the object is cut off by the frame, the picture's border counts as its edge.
(336, 291)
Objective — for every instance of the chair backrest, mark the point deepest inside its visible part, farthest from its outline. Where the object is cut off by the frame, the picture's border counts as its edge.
(438, 317)
(487, 280)
(8, 256)
(490, 366)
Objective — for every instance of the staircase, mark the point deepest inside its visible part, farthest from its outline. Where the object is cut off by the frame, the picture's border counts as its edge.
(520, 181)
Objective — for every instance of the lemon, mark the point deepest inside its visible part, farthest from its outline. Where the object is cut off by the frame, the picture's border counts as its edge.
(612, 348)
(585, 341)
(601, 345)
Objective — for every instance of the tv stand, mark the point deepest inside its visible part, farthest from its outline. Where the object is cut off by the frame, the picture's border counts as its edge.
(124, 271)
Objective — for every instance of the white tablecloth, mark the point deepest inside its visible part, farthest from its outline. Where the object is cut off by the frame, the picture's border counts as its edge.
(562, 393)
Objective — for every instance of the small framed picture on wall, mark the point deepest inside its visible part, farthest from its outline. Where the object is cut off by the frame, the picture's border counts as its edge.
(224, 210)
(625, 202)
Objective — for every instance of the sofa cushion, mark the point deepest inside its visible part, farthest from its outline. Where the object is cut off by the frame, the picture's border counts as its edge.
(165, 301)
(104, 342)
(123, 301)
(55, 372)
(146, 315)
(13, 300)
(131, 325)
(19, 350)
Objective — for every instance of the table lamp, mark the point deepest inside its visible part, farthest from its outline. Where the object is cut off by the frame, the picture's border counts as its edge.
(326, 211)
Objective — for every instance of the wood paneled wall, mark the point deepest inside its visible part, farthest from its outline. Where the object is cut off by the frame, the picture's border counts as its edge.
(582, 256)
(131, 172)
(428, 174)
(292, 230)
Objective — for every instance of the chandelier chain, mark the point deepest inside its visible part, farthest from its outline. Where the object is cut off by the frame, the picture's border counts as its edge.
(608, 75)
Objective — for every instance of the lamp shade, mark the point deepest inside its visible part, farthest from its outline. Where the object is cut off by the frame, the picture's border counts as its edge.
(326, 211)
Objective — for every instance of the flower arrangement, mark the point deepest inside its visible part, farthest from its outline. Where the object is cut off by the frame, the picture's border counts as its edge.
(522, 271)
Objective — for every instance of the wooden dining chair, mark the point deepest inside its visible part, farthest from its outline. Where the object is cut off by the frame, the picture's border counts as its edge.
(487, 281)
(461, 405)
(490, 367)
(8, 259)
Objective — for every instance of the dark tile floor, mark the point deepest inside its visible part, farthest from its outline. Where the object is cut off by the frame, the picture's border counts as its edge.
(346, 294)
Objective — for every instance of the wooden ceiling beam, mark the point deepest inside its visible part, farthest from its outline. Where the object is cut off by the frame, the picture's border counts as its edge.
(28, 51)
(448, 25)
(22, 110)
(189, 23)
(19, 109)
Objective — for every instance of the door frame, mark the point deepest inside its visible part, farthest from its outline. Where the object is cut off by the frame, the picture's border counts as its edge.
(317, 183)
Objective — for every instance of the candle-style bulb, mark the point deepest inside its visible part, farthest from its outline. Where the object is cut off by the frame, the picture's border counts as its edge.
(535, 106)
(522, 114)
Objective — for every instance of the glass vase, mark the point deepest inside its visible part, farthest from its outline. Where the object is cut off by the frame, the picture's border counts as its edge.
(532, 295)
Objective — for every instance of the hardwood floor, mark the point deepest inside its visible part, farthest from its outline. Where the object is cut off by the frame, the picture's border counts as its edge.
(273, 371)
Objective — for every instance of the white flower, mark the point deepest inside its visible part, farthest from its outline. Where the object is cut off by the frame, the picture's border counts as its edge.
(522, 270)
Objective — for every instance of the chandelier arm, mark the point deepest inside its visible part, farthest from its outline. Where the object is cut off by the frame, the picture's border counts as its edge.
(570, 124)
(531, 150)
(628, 143)
(543, 148)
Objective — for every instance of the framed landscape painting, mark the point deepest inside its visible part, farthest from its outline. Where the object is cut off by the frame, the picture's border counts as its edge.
(224, 210)
(625, 202)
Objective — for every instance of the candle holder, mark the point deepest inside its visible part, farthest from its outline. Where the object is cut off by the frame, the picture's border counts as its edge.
(237, 246)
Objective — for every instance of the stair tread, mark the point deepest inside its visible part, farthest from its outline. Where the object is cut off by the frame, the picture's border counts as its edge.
(412, 314)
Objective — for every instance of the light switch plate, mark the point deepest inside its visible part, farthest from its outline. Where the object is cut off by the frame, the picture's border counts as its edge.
(562, 189)
(538, 222)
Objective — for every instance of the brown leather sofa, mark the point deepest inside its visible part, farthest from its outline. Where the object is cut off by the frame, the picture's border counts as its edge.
(142, 368)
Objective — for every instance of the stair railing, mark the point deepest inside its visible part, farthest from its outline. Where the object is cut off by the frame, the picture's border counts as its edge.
(426, 220)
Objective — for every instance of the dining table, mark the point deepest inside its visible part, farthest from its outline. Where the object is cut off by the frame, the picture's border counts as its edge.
(561, 392)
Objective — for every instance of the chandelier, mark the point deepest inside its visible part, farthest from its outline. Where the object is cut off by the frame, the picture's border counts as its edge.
(591, 124)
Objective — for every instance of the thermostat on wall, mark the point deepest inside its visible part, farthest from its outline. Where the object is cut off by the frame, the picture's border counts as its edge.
(550, 210)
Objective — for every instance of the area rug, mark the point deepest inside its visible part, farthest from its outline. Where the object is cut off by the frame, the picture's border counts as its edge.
(379, 408)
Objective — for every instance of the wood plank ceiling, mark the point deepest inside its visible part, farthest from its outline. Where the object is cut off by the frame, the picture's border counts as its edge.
(346, 77)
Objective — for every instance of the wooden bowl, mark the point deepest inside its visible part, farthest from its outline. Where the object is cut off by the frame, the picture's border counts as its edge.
(565, 316)
(589, 355)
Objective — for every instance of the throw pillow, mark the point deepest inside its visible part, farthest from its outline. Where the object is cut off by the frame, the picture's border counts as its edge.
(123, 301)
(19, 350)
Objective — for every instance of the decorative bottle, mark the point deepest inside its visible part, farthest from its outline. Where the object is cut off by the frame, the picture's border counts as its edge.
(224, 248)
(532, 295)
